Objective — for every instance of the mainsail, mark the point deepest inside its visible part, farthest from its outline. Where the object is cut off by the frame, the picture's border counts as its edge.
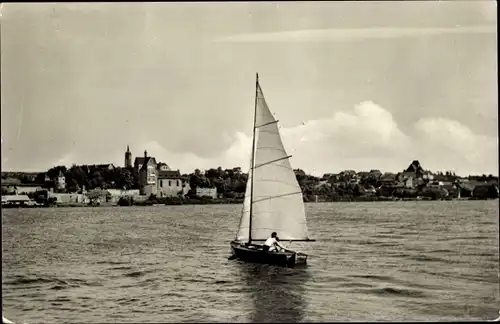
(276, 204)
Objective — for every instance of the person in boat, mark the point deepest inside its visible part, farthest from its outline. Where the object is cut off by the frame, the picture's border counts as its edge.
(272, 243)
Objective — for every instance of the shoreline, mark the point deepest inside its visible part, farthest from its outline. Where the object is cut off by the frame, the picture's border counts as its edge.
(225, 202)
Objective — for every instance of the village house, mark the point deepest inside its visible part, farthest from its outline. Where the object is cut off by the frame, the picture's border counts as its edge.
(16, 200)
(148, 176)
(115, 194)
(170, 183)
(206, 192)
(414, 170)
(163, 167)
(156, 178)
(138, 162)
(409, 182)
(27, 188)
(68, 198)
(450, 188)
(467, 187)
(412, 176)
(60, 181)
(103, 167)
(428, 176)
(9, 185)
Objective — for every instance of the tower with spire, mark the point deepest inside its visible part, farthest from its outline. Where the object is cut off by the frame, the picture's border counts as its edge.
(128, 158)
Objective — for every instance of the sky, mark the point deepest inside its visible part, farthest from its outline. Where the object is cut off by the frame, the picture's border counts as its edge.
(354, 85)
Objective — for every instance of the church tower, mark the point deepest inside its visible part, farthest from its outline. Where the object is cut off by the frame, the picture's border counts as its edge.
(128, 158)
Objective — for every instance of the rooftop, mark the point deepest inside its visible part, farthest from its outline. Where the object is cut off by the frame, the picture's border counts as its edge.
(169, 174)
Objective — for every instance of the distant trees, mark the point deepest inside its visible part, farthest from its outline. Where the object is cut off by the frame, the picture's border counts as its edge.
(54, 172)
(229, 182)
(483, 178)
(232, 182)
(486, 191)
(91, 177)
(198, 180)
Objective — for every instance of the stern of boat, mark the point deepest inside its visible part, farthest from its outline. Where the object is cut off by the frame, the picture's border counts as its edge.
(300, 258)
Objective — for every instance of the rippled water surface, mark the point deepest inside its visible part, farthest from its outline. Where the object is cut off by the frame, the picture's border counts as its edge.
(371, 261)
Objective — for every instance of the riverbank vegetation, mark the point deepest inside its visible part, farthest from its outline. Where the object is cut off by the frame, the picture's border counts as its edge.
(231, 184)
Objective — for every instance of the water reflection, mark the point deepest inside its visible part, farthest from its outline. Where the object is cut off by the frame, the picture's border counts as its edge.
(277, 293)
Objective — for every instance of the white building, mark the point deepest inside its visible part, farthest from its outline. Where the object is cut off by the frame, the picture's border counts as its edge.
(206, 192)
(170, 184)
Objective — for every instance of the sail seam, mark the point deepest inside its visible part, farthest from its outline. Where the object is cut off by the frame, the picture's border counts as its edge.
(269, 132)
(281, 166)
(271, 148)
(273, 130)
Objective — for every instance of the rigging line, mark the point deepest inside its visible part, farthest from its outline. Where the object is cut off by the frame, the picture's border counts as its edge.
(280, 196)
(266, 163)
(279, 181)
(266, 124)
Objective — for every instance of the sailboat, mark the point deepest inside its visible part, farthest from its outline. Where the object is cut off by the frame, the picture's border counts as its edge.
(273, 198)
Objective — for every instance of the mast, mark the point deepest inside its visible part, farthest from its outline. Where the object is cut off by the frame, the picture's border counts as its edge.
(253, 157)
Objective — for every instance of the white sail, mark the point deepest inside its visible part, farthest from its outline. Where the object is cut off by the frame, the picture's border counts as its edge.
(6, 321)
(244, 228)
(277, 204)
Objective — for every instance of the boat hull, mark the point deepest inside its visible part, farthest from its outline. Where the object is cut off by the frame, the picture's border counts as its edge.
(254, 253)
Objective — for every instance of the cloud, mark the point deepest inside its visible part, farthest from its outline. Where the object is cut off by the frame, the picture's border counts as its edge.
(455, 143)
(238, 154)
(363, 139)
(352, 34)
(67, 160)
(367, 137)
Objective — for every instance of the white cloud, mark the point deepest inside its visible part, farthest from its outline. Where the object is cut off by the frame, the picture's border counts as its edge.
(238, 154)
(452, 143)
(67, 160)
(351, 34)
(366, 138)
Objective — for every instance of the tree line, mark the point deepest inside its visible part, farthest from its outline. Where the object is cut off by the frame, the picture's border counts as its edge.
(231, 183)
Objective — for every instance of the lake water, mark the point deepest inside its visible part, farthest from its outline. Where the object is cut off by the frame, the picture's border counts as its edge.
(372, 261)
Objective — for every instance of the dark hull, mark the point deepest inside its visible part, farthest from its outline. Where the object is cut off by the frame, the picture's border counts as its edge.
(254, 253)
